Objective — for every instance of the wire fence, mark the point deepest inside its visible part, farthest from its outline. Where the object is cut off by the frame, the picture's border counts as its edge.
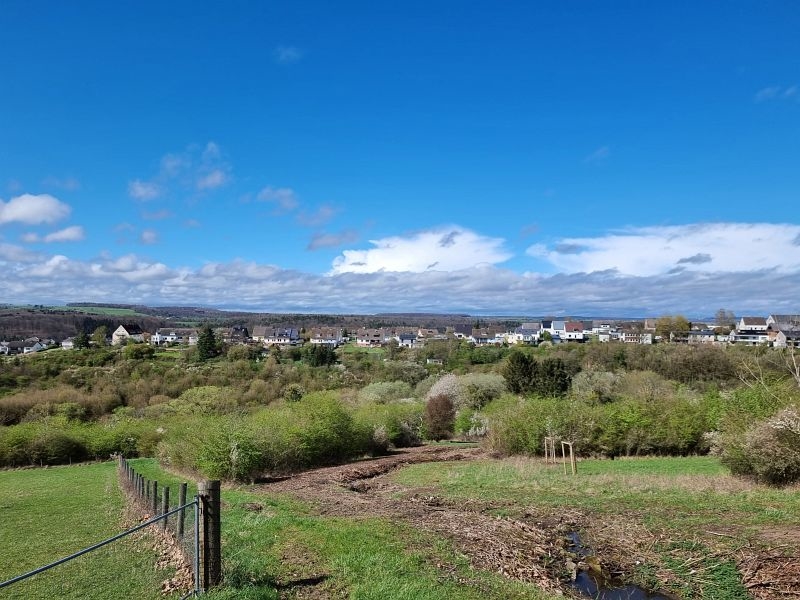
(183, 534)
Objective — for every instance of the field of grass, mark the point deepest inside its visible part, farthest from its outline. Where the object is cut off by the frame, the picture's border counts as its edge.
(689, 515)
(274, 546)
(47, 514)
(103, 310)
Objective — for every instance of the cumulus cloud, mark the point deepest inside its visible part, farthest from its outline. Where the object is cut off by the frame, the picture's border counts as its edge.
(482, 289)
(32, 209)
(445, 249)
(69, 234)
(330, 240)
(285, 55)
(650, 251)
(144, 190)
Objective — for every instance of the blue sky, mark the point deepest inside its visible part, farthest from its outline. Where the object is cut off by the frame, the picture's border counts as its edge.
(608, 158)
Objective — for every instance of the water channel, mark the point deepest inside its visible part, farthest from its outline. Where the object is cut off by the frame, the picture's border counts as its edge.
(592, 583)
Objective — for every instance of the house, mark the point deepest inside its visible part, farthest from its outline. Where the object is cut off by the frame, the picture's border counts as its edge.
(407, 340)
(788, 338)
(34, 345)
(68, 344)
(751, 331)
(701, 336)
(779, 321)
(462, 332)
(369, 338)
(573, 331)
(636, 337)
(752, 324)
(328, 336)
(238, 334)
(604, 336)
(558, 328)
(124, 333)
(527, 333)
(174, 335)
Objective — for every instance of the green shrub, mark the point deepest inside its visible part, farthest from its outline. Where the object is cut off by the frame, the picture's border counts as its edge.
(769, 451)
(384, 391)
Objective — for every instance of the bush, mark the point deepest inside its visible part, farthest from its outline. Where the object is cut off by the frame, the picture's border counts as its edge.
(401, 422)
(769, 451)
(440, 417)
(384, 391)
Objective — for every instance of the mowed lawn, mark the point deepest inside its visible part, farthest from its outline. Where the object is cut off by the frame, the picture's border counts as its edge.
(46, 514)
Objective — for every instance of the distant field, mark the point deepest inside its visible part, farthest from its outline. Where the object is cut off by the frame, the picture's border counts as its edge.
(102, 310)
(46, 514)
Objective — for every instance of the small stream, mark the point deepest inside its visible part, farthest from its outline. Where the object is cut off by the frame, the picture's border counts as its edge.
(591, 582)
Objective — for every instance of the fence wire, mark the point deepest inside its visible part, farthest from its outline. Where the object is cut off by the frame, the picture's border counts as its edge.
(122, 567)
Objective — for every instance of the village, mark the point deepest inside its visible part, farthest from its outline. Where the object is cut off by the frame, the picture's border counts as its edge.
(774, 330)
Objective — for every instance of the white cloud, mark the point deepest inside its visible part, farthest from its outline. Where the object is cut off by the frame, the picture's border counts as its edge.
(486, 289)
(649, 251)
(284, 199)
(33, 209)
(444, 249)
(286, 55)
(144, 190)
(214, 179)
(195, 169)
(318, 218)
(149, 237)
(70, 234)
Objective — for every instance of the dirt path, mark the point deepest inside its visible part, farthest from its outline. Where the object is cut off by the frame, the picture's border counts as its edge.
(517, 549)
(529, 548)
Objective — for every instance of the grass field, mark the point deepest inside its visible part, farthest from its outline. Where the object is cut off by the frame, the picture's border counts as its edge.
(103, 311)
(273, 547)
(680, 523)
(46, 514)
(688, 517)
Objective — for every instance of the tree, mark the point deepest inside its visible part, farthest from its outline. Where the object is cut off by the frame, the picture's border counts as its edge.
(725, 318)
(206, 344)
(99, 336)
(440, 417)
(667, 326)
(518, 372)
(81, 340)
(319, 355)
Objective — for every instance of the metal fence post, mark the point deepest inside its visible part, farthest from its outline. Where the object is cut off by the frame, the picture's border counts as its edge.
(164, 506)
(154, 498)
(210, 531)
(181, 502)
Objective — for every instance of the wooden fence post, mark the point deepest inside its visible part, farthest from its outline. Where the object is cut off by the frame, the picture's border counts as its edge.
(210, 531)
(154, 498)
